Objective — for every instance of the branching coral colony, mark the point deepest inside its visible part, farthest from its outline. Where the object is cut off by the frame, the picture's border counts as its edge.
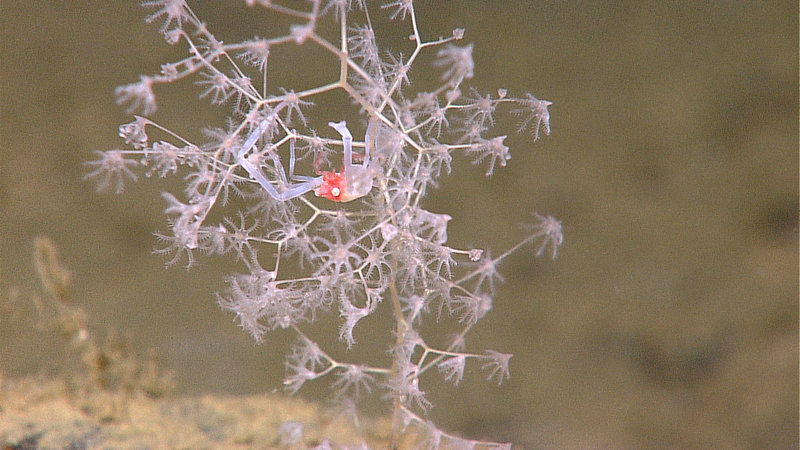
(381, 250)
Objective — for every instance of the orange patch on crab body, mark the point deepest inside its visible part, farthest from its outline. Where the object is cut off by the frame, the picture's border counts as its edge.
(333, 187)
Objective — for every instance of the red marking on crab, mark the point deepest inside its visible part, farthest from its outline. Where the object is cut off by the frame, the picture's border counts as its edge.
(333, 186)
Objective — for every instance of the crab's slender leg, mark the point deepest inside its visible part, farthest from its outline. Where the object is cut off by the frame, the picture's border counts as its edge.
(293, 190)
(368, 141)
(291, 159)
(254, 136)
(296, 190)
(292, 176)
(249, 143)
(258, 176)
(347, 140)
(279, 167)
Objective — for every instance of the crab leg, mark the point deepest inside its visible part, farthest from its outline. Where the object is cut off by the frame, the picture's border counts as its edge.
(292, 190)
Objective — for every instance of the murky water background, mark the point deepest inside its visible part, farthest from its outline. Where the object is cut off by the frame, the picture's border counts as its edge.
(670, 317)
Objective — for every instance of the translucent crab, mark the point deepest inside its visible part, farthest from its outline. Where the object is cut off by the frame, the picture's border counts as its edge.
(353, 182)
